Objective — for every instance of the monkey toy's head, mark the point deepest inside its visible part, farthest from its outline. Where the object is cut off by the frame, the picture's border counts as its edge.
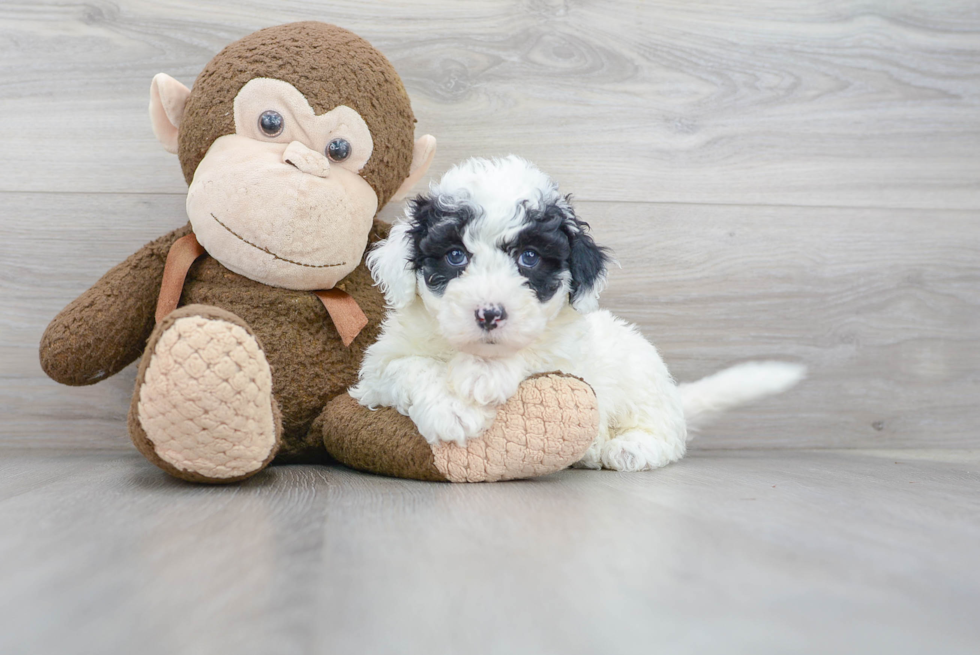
(291, 140)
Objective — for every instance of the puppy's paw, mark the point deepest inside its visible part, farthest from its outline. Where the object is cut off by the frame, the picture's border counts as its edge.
(640, 451)
(448, 418)
(484, 381)
(486, 389)
(624, 456)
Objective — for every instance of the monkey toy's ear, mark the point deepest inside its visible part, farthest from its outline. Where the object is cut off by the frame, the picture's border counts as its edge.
(422, 155)
(390, 262)
(168, 97)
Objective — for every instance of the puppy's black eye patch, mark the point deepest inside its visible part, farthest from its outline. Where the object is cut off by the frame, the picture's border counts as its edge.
(544, 237)
(438, 272)
(437, 233)
(441, 258)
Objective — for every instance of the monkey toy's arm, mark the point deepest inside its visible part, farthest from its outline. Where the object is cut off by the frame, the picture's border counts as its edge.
(106, 328)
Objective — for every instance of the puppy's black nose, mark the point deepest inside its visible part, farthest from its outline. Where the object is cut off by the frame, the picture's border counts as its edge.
(489, 317)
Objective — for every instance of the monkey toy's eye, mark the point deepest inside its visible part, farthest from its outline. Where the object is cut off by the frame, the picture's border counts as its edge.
(271, 123)
(339, 150)
(456, 257)
(529, 259)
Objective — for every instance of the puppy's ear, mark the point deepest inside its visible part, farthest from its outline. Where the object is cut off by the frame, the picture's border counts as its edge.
(391, 265)
(586, 261)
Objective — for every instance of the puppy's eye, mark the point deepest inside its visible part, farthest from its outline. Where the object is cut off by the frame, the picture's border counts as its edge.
(456, 257)
(271, 123)
(339, 149)
(529, 259)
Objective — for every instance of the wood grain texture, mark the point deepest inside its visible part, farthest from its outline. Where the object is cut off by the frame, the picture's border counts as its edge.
(833, 102)
(752, 552)
(629, 106)
(882, 305)
(779, 179)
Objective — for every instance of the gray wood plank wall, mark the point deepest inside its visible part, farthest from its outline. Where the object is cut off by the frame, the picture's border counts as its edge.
(777, 178)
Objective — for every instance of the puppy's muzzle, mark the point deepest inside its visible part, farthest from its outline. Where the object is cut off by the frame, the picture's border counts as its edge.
(490, 317)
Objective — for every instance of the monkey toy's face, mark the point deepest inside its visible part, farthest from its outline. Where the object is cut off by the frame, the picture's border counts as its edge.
(281, 200)
(284, 183)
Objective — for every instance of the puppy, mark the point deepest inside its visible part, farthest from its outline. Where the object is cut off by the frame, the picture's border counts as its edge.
(492, 278)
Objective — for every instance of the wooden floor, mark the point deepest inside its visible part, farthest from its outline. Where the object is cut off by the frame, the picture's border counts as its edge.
(798, 180)
(726, 552)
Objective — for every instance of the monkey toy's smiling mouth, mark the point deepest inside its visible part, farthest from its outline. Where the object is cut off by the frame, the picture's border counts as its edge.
(269, 252)
(274, 223)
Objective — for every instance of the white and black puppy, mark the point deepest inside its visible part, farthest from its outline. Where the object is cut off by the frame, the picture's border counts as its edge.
(492, 278)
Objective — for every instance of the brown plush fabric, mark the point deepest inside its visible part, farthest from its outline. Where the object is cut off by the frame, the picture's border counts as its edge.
(382, 442)
(546, 427)
(331, 67)
(136, 433)
(106, 328)
(310, 364)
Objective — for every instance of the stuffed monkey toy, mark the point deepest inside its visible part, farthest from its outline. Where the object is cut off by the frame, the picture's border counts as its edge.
(251, 320)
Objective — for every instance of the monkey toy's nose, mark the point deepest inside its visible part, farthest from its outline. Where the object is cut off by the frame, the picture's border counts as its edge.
(490, 317)
(306, 160)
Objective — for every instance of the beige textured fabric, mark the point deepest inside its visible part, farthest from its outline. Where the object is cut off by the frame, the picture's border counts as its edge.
(274, 223)
(300, 122)
(167, 100)
(206, 401)
(547, 425)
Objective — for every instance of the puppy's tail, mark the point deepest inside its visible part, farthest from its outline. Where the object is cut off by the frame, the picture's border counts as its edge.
(740, 384)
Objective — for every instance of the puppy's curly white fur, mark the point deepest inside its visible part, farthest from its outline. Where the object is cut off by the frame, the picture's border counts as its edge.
(492, 278)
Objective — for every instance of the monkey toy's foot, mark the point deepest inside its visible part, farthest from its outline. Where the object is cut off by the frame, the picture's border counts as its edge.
(547, 426)
(203, 409)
